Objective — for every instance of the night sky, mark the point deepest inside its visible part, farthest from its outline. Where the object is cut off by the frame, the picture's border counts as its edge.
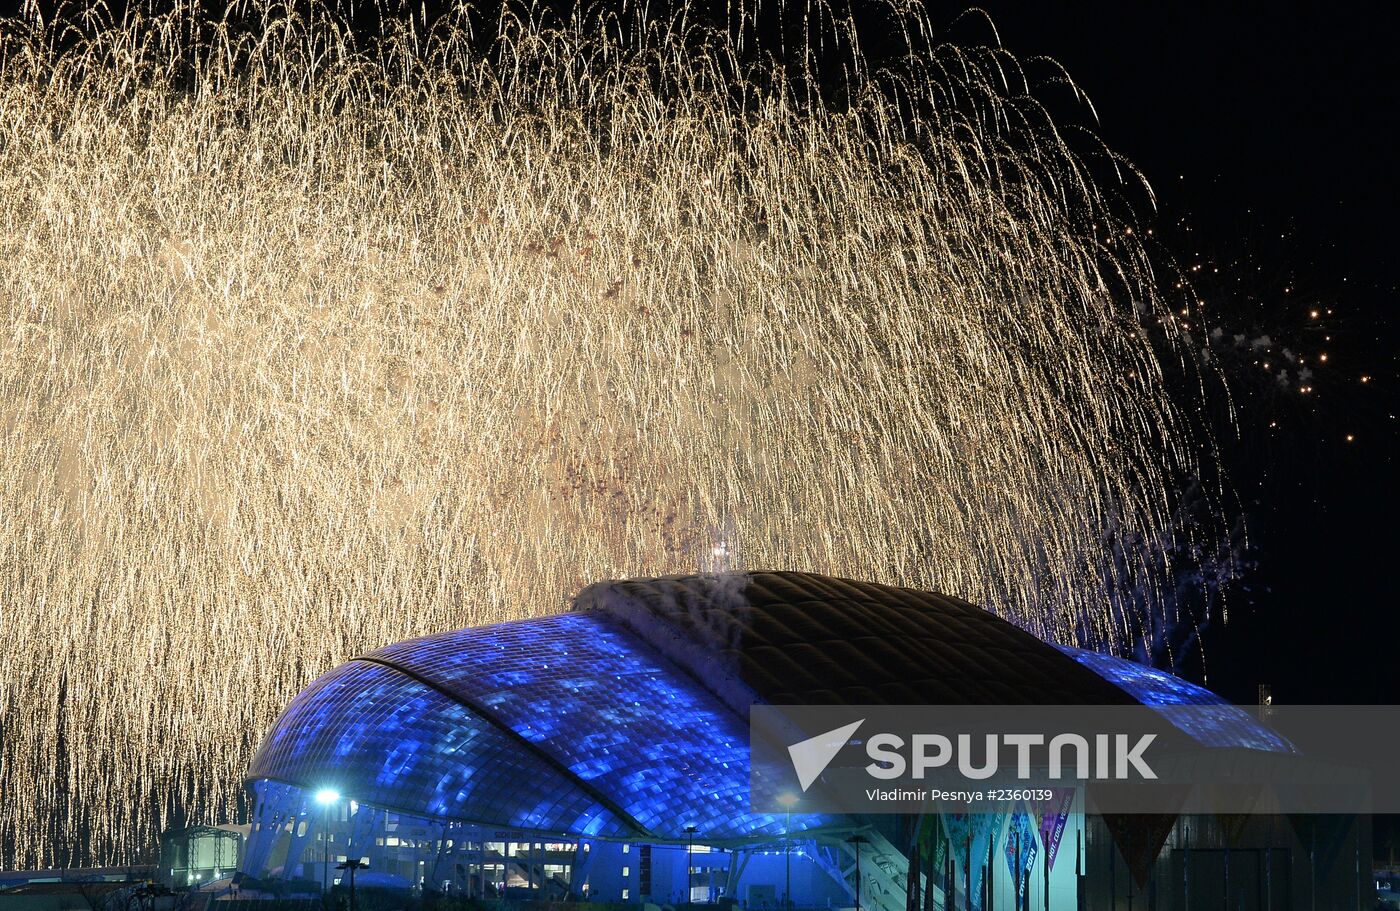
(1270, 141)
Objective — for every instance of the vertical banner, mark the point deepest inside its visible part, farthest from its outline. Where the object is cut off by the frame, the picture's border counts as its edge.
(982, 830)
(959, 826)
(1054, 816)
(933, 836)
(1021, 851)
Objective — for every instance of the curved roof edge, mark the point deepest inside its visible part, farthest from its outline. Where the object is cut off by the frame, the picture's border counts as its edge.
(633, 603)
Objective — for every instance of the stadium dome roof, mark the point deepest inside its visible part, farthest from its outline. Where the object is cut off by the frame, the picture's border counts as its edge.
(627, 717)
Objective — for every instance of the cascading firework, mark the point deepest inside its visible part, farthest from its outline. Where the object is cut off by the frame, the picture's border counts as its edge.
(312, 341)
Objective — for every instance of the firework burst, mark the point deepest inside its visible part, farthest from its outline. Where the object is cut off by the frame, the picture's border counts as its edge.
(310, 342)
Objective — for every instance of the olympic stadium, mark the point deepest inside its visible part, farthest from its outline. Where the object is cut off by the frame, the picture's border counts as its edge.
(601, 755)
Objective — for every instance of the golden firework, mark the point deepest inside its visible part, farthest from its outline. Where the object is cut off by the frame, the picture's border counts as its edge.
(311, 342)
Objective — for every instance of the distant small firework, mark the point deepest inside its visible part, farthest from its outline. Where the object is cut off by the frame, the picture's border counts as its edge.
(310, 342)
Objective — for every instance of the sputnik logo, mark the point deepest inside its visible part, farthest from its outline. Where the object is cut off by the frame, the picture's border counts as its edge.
(810, 757)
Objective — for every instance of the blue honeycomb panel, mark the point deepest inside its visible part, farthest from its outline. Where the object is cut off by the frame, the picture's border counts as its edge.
(383, 738)
(615, 714)
(1209, 719)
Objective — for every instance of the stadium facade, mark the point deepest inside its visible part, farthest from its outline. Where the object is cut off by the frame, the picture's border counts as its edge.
(602, 755)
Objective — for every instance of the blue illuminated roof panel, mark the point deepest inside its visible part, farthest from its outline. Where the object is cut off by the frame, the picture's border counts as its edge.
(614, 713)
(1212, 722)
(385, 739)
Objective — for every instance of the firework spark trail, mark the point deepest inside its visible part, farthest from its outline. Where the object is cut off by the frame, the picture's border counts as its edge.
(308, 346)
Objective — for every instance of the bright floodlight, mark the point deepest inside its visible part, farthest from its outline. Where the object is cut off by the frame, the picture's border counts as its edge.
(327, 796)
(787, 799)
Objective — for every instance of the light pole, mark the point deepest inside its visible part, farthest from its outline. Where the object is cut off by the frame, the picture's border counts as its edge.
(787, 799)
(352, 864)
(689, 853)
(326, 797)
